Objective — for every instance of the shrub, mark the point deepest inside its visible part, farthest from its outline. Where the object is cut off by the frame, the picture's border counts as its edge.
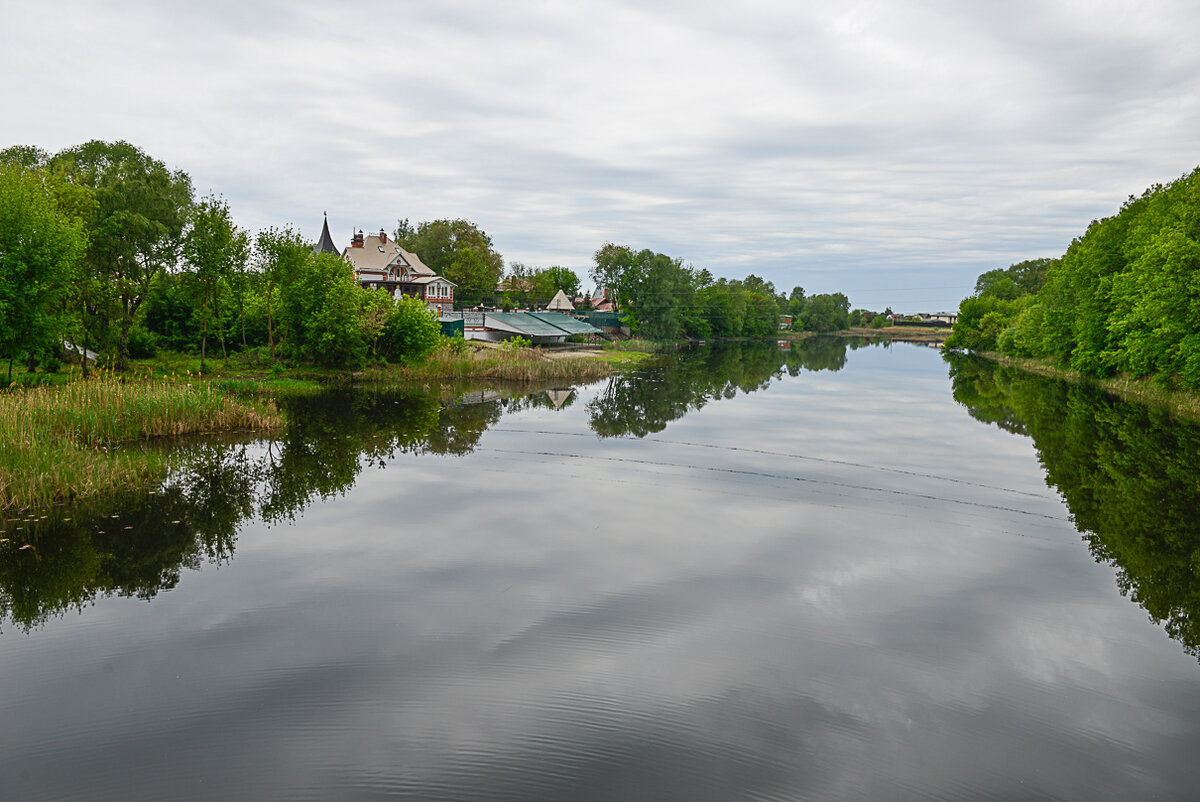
(411, 333)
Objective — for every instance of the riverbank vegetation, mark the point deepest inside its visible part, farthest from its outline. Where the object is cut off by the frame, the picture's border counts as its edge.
(1123, 303)
(661, 298)
(107, 255)
(68, 442)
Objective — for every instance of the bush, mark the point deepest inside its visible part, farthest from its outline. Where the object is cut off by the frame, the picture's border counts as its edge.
(515, 343)
(143, 343)
(411, 332)
(456, 344)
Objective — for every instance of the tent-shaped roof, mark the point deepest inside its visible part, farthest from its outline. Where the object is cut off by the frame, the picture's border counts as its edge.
(325, 243)
(560, 301)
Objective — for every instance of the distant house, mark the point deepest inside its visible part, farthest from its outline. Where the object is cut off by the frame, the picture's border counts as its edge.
(601, 300)
(785, 322)
(382, 264)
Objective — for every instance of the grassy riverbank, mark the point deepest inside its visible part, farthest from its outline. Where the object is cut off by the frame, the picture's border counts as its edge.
(1146, 391)
(68, 438)
(66, 442)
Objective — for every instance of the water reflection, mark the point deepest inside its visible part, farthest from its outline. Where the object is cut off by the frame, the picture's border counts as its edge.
(1127, 472)
(641, 404)
(138, 544)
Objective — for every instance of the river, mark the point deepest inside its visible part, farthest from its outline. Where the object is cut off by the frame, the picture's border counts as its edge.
(839, 570)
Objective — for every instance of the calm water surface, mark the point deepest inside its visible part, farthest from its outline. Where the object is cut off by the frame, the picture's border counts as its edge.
(825, 573)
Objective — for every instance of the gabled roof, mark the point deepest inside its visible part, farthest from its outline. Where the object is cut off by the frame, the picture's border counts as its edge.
(430, 279)
(380, 253)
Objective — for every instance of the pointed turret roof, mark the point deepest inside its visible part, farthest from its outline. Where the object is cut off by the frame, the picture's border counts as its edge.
(325, 243)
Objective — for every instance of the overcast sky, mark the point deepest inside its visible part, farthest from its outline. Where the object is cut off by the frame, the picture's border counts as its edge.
(888, 150)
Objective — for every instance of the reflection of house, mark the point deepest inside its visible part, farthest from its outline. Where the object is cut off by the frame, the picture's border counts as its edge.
(560, 396)
(382, 264)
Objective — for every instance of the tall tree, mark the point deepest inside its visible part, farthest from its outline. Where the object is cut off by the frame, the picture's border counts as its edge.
(40, 247)
(137, 228)
(280, 255)
(458, 250)
(214, 250)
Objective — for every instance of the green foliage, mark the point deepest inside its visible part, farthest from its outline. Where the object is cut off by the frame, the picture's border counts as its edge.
(411, 332)
(661, 298)
(40, 249)
(281, 257)
(822, 313)
(1125, 298)
(458, 250)
(215, 250)
(536, 286)
(135, 232)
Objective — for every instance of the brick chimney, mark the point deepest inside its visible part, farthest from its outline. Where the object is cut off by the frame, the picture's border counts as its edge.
(357, 241)
(382, 237)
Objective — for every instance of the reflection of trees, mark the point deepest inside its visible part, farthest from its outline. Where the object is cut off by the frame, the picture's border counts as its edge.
(132, 545)
(1128, 474)
(138, 544)
(645, 402)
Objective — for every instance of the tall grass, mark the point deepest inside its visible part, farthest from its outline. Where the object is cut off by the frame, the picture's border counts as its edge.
(59, 443)
(520, 364)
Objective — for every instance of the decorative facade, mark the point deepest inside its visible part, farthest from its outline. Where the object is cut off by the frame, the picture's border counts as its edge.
(379, 263)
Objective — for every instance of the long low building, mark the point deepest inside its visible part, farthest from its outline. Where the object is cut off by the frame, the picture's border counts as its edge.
(537, 327)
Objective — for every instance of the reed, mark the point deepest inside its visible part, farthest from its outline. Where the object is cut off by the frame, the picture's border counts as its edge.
(519, 364)
(60, 443)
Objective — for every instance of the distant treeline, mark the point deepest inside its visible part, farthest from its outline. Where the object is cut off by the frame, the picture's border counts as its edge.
(1123, 299)
(661, 298)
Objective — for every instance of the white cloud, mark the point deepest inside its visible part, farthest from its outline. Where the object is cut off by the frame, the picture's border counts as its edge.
(857, 148)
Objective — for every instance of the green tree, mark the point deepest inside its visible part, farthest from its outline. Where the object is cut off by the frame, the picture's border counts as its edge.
(824, 313)
(40, 248)
(411, 333)
(137, 228)
(281, 255)
(458, 250)
(215, 249)
(612, 266)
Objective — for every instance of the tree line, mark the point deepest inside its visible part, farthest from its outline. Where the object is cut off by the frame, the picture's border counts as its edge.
(661, 298)
(103, 247)
(1124, 298)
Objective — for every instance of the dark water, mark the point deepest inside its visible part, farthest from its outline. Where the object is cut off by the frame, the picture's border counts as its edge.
(823, 573)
